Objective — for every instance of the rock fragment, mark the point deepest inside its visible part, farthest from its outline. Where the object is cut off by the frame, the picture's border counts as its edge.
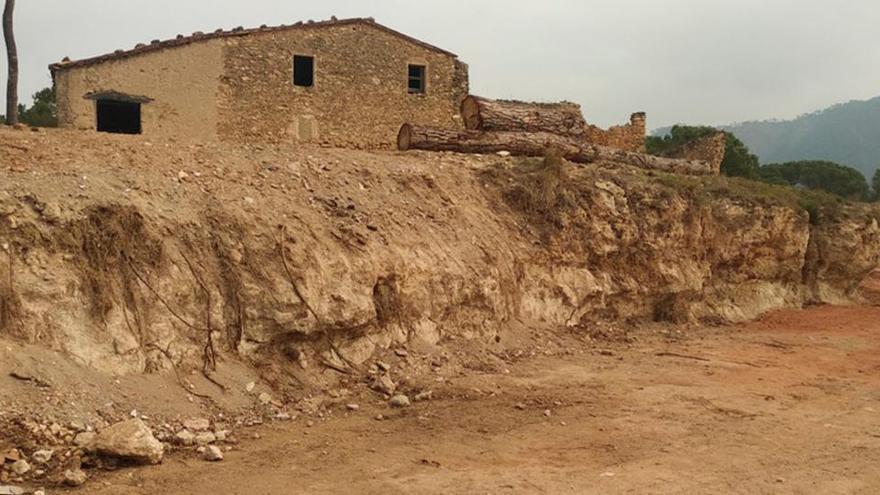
(75, 477)
(11, 455)
(84, 440)
(131, 440)
(205, 438)
(423, 396)
(42, 456)
(212, 454)
(20, 467)
(185, 438)
(384, 384)
(399, 401)
(52, 212)
(197, 424)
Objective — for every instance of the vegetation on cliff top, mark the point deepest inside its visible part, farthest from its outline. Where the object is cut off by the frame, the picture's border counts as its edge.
(821, 206)
(545, 191)
(843, 181)
(739, 161)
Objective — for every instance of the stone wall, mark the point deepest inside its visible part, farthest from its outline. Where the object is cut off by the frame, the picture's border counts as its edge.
(628, 137)
(359, 98)
(181, 82)
(238, 85)
(709, 149)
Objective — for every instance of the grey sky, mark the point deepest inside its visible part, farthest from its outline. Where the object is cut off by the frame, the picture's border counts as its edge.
(695, 61)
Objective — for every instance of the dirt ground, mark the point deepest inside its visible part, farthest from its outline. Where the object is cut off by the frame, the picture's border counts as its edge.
(788, 404)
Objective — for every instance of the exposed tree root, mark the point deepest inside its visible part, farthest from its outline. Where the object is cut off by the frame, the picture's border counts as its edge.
(209, 353)
(321, 327)
(160, 298)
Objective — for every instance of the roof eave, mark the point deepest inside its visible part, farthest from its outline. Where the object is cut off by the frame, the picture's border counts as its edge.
(198, 36)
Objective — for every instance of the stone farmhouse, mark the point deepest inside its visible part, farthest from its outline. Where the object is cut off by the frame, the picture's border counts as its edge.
(349, 83)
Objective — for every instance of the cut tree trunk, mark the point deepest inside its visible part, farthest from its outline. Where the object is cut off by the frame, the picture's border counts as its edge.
(12, 56)
(537, 144)
(482, 114)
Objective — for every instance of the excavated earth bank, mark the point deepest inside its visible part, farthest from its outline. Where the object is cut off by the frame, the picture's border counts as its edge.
(131, 258)
(130, 254)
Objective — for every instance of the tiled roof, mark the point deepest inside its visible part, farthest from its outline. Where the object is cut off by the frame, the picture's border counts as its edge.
(181, 40)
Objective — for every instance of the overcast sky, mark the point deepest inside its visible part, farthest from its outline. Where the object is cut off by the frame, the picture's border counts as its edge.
(692, 61)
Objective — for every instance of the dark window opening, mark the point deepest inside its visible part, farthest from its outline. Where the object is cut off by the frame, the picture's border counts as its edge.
(120, 117)
(416, 78)
(303, 71)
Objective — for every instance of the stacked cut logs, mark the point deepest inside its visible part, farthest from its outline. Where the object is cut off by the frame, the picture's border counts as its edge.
(529, 129)
(481, 114)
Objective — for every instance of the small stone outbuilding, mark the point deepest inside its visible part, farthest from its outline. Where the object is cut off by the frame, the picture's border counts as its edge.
(349, 83)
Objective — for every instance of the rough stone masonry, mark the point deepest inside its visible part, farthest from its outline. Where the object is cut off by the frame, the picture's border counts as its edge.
(346, 83)
(358, 81)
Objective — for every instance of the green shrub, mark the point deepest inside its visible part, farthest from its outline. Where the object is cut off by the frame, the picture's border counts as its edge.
(738, 159)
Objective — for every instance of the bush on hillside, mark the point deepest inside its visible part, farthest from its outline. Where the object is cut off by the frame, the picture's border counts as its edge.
(831, 177)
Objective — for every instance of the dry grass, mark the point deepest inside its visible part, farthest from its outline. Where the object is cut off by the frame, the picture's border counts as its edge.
(545, 190)
(537, 188)
(821, 206)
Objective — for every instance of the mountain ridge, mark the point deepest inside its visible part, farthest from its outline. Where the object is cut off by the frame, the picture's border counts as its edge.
(846, 133)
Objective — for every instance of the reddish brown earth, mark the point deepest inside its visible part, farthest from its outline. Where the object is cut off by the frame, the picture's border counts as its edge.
(788, 404)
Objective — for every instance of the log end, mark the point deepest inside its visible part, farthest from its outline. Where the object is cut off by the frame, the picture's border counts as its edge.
(404, 137)
(470, 112)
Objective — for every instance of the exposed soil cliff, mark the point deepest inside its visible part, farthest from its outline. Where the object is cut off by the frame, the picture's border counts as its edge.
(135, 256)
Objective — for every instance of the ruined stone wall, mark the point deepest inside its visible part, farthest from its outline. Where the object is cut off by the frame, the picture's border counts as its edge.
(181, 82)
(709, 149)
(629, 137)
(359, 98)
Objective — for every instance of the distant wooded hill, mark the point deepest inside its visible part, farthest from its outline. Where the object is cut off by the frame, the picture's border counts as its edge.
(848, 133)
